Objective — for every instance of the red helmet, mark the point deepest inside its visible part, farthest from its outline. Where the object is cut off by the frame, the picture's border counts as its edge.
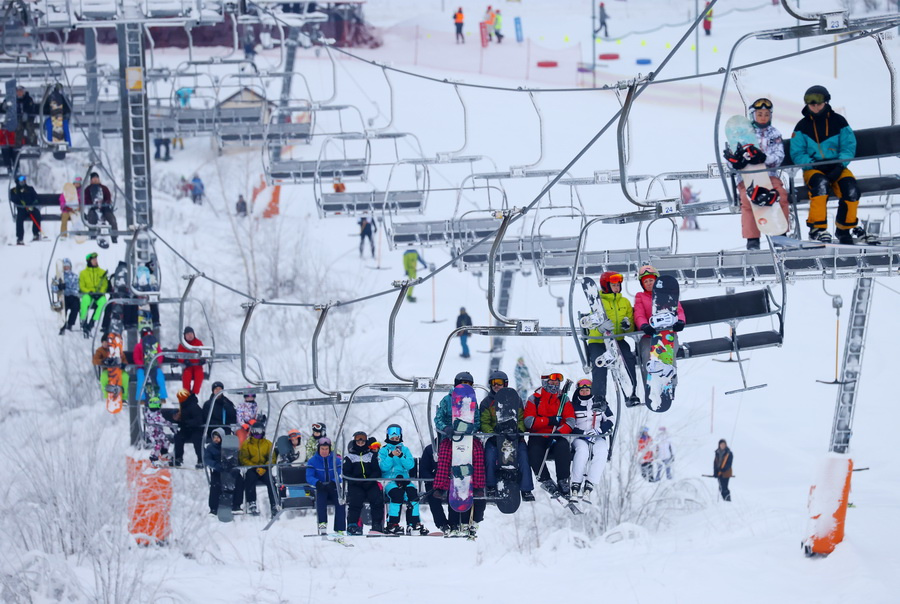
(607, 278)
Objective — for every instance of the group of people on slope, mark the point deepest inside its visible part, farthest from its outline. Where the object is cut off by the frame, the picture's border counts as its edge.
(493, 24)
(822, 144)
(655, 456)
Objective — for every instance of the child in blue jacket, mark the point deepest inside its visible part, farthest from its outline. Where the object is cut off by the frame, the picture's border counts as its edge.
(396, 462)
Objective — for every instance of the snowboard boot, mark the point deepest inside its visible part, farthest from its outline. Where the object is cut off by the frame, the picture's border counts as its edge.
(446, 530)
(492, 493)
(820, 235)
(36, 238)
(393, 528)
(576, 492)
(252, 509)
(550, 487)
(62, 330)
(564, 488)
(472, 531)
(273, 511)
(633, 400)
(354, 529)
(753, 243)
(417, 527)
(843, 236)
(19, 242)
(527, 496)
(859, 233)
(322, 528)
(198, 466)
(376, 528)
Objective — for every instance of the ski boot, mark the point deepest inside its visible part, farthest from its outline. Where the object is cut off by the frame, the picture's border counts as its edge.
(576, 492)
(586, 491)
(527, 496)
(550, 487)
(564, 491)
(492, 493)
(354, 529)
(252, 509)
(410, 298)
(393, 528)
(322, 528)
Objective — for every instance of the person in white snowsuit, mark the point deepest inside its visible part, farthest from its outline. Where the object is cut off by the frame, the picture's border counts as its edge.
(665, 455)
(593, 419)
(155, 426)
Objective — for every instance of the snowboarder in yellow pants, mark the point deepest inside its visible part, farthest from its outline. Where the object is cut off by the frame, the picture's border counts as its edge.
(411, 260)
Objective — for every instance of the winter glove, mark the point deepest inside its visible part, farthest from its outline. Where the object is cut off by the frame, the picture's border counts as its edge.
(605, 427)
(447, 431)
(647, 329)
(432, 267)
(625, 324)
(578, 431)
(679, 325)
(555, 420)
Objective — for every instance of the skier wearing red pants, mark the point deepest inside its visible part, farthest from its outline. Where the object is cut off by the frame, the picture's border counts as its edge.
(192, 374)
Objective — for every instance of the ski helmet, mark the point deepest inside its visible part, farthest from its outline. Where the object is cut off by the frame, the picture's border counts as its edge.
(319, 427)
(816, 94)
(188, 329)
(90, 256)
(607, 278)
(217, 385)
(394, 430)
(153, 403)
(547, 386)
(293, 433)
(498, 375)
(463, 376)
(647, 271)
(258, 429)
(324, 442)
(183, 395)
(585, 383)
(645, 430)
(67, 262)
(359, 433)
(220, 432)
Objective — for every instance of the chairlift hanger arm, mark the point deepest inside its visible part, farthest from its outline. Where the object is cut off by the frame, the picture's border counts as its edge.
(323, 310)
(392, 333)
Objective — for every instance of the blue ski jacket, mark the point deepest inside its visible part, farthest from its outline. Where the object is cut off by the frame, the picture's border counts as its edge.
(212, 457)
(322, 469)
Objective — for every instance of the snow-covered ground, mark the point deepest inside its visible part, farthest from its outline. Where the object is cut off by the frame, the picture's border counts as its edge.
(63, 508)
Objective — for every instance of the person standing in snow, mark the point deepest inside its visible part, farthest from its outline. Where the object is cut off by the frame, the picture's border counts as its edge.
(70, 296)
(458, 21)
(707, 20)
(645, 452)
(595, 422)
(366, 228)
(722, 468)
(411, 261)
(664, 454)
(464, 320)
(489, 21)
(240, 208)
(197, 189)
(498, 24)
(603, 18)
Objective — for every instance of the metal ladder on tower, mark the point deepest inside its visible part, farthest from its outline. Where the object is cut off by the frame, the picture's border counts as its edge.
(851, 368)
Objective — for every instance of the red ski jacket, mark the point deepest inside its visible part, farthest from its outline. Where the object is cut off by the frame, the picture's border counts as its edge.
(541, 406)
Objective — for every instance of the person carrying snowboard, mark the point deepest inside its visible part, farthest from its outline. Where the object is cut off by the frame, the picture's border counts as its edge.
(155, 426)
(595, 422)
(190, 427)
(104, 359)
(664, 454)
(98, 200)
(71, 294)
(219, 409)
(212, 457)
(192, 374)
(772, 146)
(361, 465)
(396, 461)
(464, 320)
(257, 451)
(57, 111)
(411, 261)
(146, 354)
(825, 136)
(487, 411)
(25, 199)
(67, 212)
(722, 468)
(323, 472)
(549, 412)
(366, 228)
(645, 453)
(643, 309)
(620, 319)
(92, 283)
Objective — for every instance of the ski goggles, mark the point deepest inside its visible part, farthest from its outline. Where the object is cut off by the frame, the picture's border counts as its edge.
(761, 104)
(20, 178)
(585, 384)
(814, 99)
(318, 428)
(553, 376)
(616, 278)
(498, 382)
(360, 436)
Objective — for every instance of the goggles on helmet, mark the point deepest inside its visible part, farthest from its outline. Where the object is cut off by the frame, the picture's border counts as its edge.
(553, 376)
(498, 382)
(814, 99)
(761, 104)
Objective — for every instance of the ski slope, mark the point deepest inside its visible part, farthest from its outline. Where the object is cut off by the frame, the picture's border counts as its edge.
(63, 510)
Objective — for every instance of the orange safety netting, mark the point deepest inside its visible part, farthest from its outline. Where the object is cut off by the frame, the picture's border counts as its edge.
(149, 502)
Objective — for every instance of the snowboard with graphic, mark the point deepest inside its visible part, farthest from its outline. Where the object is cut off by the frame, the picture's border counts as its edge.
(612, 359)
(507, 441)
(230, 446)
(764, 202)
(114, 390)
(463, 405)
(661, 372)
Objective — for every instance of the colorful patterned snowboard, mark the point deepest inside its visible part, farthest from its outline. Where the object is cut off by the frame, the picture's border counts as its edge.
(463, 405)
(661, 373)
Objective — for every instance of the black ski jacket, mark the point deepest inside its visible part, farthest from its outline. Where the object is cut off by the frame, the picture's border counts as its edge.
(191, 417)
(224, 414)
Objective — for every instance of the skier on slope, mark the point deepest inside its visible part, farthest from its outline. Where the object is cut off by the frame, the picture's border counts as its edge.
(411, 261)
(323, 472)
(643, 309)
(487, 411)
(190, 427)
(145, 355)
(645, 452)
(71, 294)
(722, 468)
(769, 141)
(212, 457)
(219, 410)
(192, 374)
(548, 411)
(257, 451)
(595, 422)
(93, 283)
(361, 466)
(619, 319)
(396, 461)
(155, 426)
(104, 359)
(665, 454)
(366, 228)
